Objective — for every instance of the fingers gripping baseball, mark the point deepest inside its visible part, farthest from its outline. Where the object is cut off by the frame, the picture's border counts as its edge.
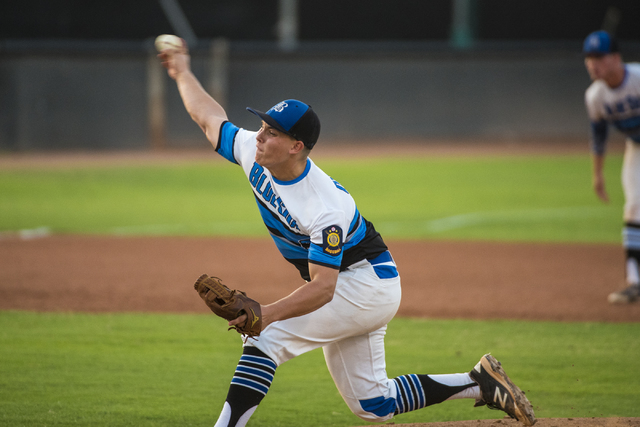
(173, 53)
(230, 304)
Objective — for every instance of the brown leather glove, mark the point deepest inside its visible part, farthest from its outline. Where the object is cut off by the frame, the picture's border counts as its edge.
(230, 304)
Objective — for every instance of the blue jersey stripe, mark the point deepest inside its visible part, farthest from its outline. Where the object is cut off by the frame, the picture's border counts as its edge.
(358, 234)
(318, 255)
(273, 222)
(226, 141)
(291, 245)
(354, 222)
(290, 250)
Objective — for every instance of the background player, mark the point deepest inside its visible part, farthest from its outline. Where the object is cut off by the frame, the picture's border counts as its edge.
(351, 286)
(614, 98)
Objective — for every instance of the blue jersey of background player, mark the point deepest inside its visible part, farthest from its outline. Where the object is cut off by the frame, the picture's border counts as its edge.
(351, 287)
(614, 99)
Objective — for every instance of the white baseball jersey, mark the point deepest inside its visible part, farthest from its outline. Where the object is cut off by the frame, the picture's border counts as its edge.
(311, 218)
(619, 106)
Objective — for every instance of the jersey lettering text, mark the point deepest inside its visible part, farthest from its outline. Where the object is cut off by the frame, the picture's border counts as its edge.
(627, 104)
(257, 179)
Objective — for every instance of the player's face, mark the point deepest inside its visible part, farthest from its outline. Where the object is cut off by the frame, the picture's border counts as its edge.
(272, 146)
(601, 67)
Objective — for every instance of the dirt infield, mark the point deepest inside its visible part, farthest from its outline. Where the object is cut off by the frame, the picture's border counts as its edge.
(472, 280)
(478, 280)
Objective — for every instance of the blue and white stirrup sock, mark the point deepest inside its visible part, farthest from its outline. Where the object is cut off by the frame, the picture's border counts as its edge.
(631, 243)
(417, 391)
(254, 374)
(249, 385)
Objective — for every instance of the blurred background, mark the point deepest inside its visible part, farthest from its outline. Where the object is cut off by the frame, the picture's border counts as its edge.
(84, 75)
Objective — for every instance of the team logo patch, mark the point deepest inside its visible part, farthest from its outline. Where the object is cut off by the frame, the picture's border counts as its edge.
(332, 240)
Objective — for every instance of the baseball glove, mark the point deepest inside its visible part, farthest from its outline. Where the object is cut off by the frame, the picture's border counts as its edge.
(230, 304)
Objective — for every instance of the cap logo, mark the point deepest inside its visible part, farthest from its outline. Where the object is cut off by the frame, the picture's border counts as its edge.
(294, 118)
(281, 106)
(594, 42)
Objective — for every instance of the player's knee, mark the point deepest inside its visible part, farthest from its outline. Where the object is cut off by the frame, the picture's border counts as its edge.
(375, 410)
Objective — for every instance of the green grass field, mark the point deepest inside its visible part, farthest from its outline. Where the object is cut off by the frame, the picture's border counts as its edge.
(169, 370)
(504, 198)
(69, 369)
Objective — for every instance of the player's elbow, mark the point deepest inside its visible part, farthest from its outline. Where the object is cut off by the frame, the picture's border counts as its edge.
(209, 118)
(210, 127)
(326, 292)
(323, 296)
(323, 284)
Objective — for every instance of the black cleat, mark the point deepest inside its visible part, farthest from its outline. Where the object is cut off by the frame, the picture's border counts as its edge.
(625, 296)
(498, 392)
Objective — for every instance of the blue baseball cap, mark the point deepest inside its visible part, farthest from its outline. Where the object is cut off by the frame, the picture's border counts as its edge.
(295, 118)
(599, 43)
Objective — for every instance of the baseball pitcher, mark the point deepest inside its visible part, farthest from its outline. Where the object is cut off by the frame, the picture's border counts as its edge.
(350, 288)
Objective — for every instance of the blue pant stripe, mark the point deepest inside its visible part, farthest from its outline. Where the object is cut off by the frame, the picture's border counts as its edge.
(385, 271)
(379, 406)
(382, 258)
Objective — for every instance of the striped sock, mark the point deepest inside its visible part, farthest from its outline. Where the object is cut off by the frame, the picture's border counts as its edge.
(249, 385)
(417, 391)
(255, 370)
(410, 394)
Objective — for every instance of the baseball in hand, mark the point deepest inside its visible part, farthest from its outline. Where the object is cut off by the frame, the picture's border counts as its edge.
(168, 41)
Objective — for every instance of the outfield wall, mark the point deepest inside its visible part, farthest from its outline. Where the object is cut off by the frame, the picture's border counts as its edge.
(86, 98)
